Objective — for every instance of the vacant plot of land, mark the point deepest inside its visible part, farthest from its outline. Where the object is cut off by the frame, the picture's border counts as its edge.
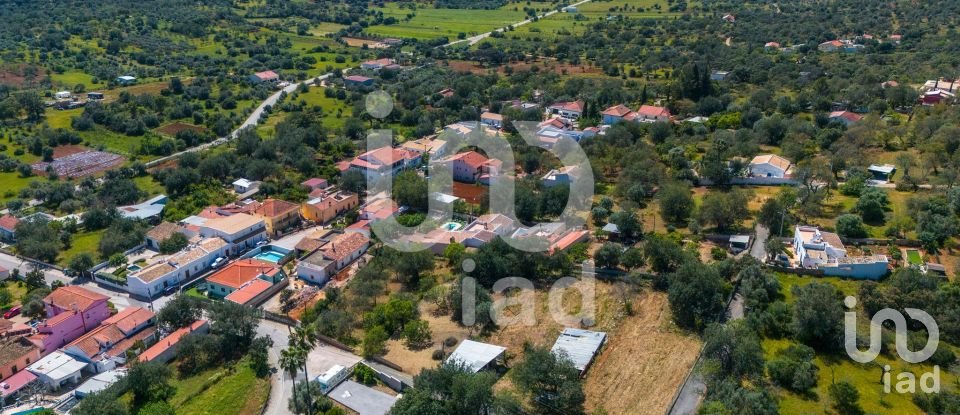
(430, 23)
(233, 390)
(67, 150)
(355, 42)
(413, 361)
(469, 192)
(173, 128)
(20, 74)
(564, 24)
(644, 362)
(325, 28)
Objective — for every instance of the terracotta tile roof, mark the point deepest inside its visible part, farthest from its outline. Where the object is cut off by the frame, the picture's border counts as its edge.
(653, 111)
(617, 110)
(272, 208)
(356, 78)
(470, 158)
(97, 340)
(131, 317)
(314, 183)
(847, 115)
(248, 291)
(491, 116)
(772, 159)
(576, 106)
(58, 319)
(170, 341)
(8, 222)
(121, 348)
(71, 295)
(163, 231)
(242, 272)
(267, 75)
(12, 348)
(344, 245)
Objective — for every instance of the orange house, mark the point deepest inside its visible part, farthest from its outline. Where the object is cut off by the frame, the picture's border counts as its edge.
(16, 353)
(327, 206)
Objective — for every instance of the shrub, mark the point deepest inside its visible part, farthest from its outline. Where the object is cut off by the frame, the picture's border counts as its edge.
(450, 341)
(437, 355)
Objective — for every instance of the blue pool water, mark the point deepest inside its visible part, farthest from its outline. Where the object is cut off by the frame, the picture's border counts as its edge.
(270, 256)
(451, 226)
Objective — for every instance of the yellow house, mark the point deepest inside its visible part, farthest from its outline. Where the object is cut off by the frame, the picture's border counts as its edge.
(277, 215)
(328, 206)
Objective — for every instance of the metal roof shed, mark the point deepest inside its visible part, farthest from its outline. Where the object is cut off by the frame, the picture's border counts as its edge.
(362, 399)
(580, 346)
(475, 355)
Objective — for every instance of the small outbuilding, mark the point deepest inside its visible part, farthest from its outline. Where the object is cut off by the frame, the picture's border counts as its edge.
(477, 356)
(882, 172)
(362, 399)
(579, 346)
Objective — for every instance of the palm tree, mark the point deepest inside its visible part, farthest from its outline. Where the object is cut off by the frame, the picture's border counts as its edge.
(292, 359)
(303, 340)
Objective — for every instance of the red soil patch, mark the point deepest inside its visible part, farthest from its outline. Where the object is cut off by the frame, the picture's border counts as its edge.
(173, 128)
(470, 193)
(544, 66)
(14, 75)
(63, 151)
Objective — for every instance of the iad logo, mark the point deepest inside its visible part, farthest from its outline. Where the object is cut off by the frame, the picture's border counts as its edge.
(906, 381)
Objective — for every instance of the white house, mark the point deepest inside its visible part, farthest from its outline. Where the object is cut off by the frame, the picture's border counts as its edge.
(492, 119)
(770, 165)
(332, 257)
(242, 185)
(177, 268)
(241, 231)
(570, 110)
(814, 248)
(57, 369)
(561, 176)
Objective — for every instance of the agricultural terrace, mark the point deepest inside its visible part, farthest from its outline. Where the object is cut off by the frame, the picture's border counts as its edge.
(430, 23)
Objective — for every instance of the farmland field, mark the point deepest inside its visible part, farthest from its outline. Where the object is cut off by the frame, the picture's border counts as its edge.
(430, 23)
(589, 13)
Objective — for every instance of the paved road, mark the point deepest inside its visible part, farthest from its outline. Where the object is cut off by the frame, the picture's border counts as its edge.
(474, 39)
(688, 400)
(759, 248)
(251, 120)
(281, 388)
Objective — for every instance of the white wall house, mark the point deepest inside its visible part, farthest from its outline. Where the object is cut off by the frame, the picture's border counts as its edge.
(770, 165)
(178, 268)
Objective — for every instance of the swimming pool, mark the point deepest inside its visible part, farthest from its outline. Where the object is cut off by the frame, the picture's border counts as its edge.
(451, 226)
(133, 268)
(270, 256)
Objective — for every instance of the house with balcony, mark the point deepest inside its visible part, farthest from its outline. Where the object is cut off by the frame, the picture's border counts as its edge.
(327, 206)
(472, 167)
(571, 110)
(241, 231)
(278, 215)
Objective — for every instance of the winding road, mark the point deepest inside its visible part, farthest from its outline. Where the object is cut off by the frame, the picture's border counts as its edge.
(474, 39)
(252, 120)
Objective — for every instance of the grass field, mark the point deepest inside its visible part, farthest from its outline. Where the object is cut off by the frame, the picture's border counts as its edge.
(69, 79)
(233, 390)
(335, 112)
(587, 14)
(914, 257)
(430, 23)
(81, 242)
(326, 27)
(839, 367)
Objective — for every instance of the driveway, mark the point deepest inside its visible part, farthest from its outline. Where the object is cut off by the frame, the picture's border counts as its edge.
(281, 388)
(759, 248)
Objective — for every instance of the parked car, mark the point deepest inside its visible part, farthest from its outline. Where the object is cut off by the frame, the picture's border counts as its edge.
(217, 263)
(13, 312)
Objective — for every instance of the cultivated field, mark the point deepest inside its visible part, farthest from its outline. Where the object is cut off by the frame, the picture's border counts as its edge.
(431, 23)
(589, 13)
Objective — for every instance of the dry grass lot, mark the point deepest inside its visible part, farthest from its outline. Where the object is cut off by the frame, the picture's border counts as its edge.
(644, 361)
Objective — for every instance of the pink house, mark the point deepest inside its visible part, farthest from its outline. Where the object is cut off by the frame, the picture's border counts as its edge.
(472, 167)
(71, 312)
